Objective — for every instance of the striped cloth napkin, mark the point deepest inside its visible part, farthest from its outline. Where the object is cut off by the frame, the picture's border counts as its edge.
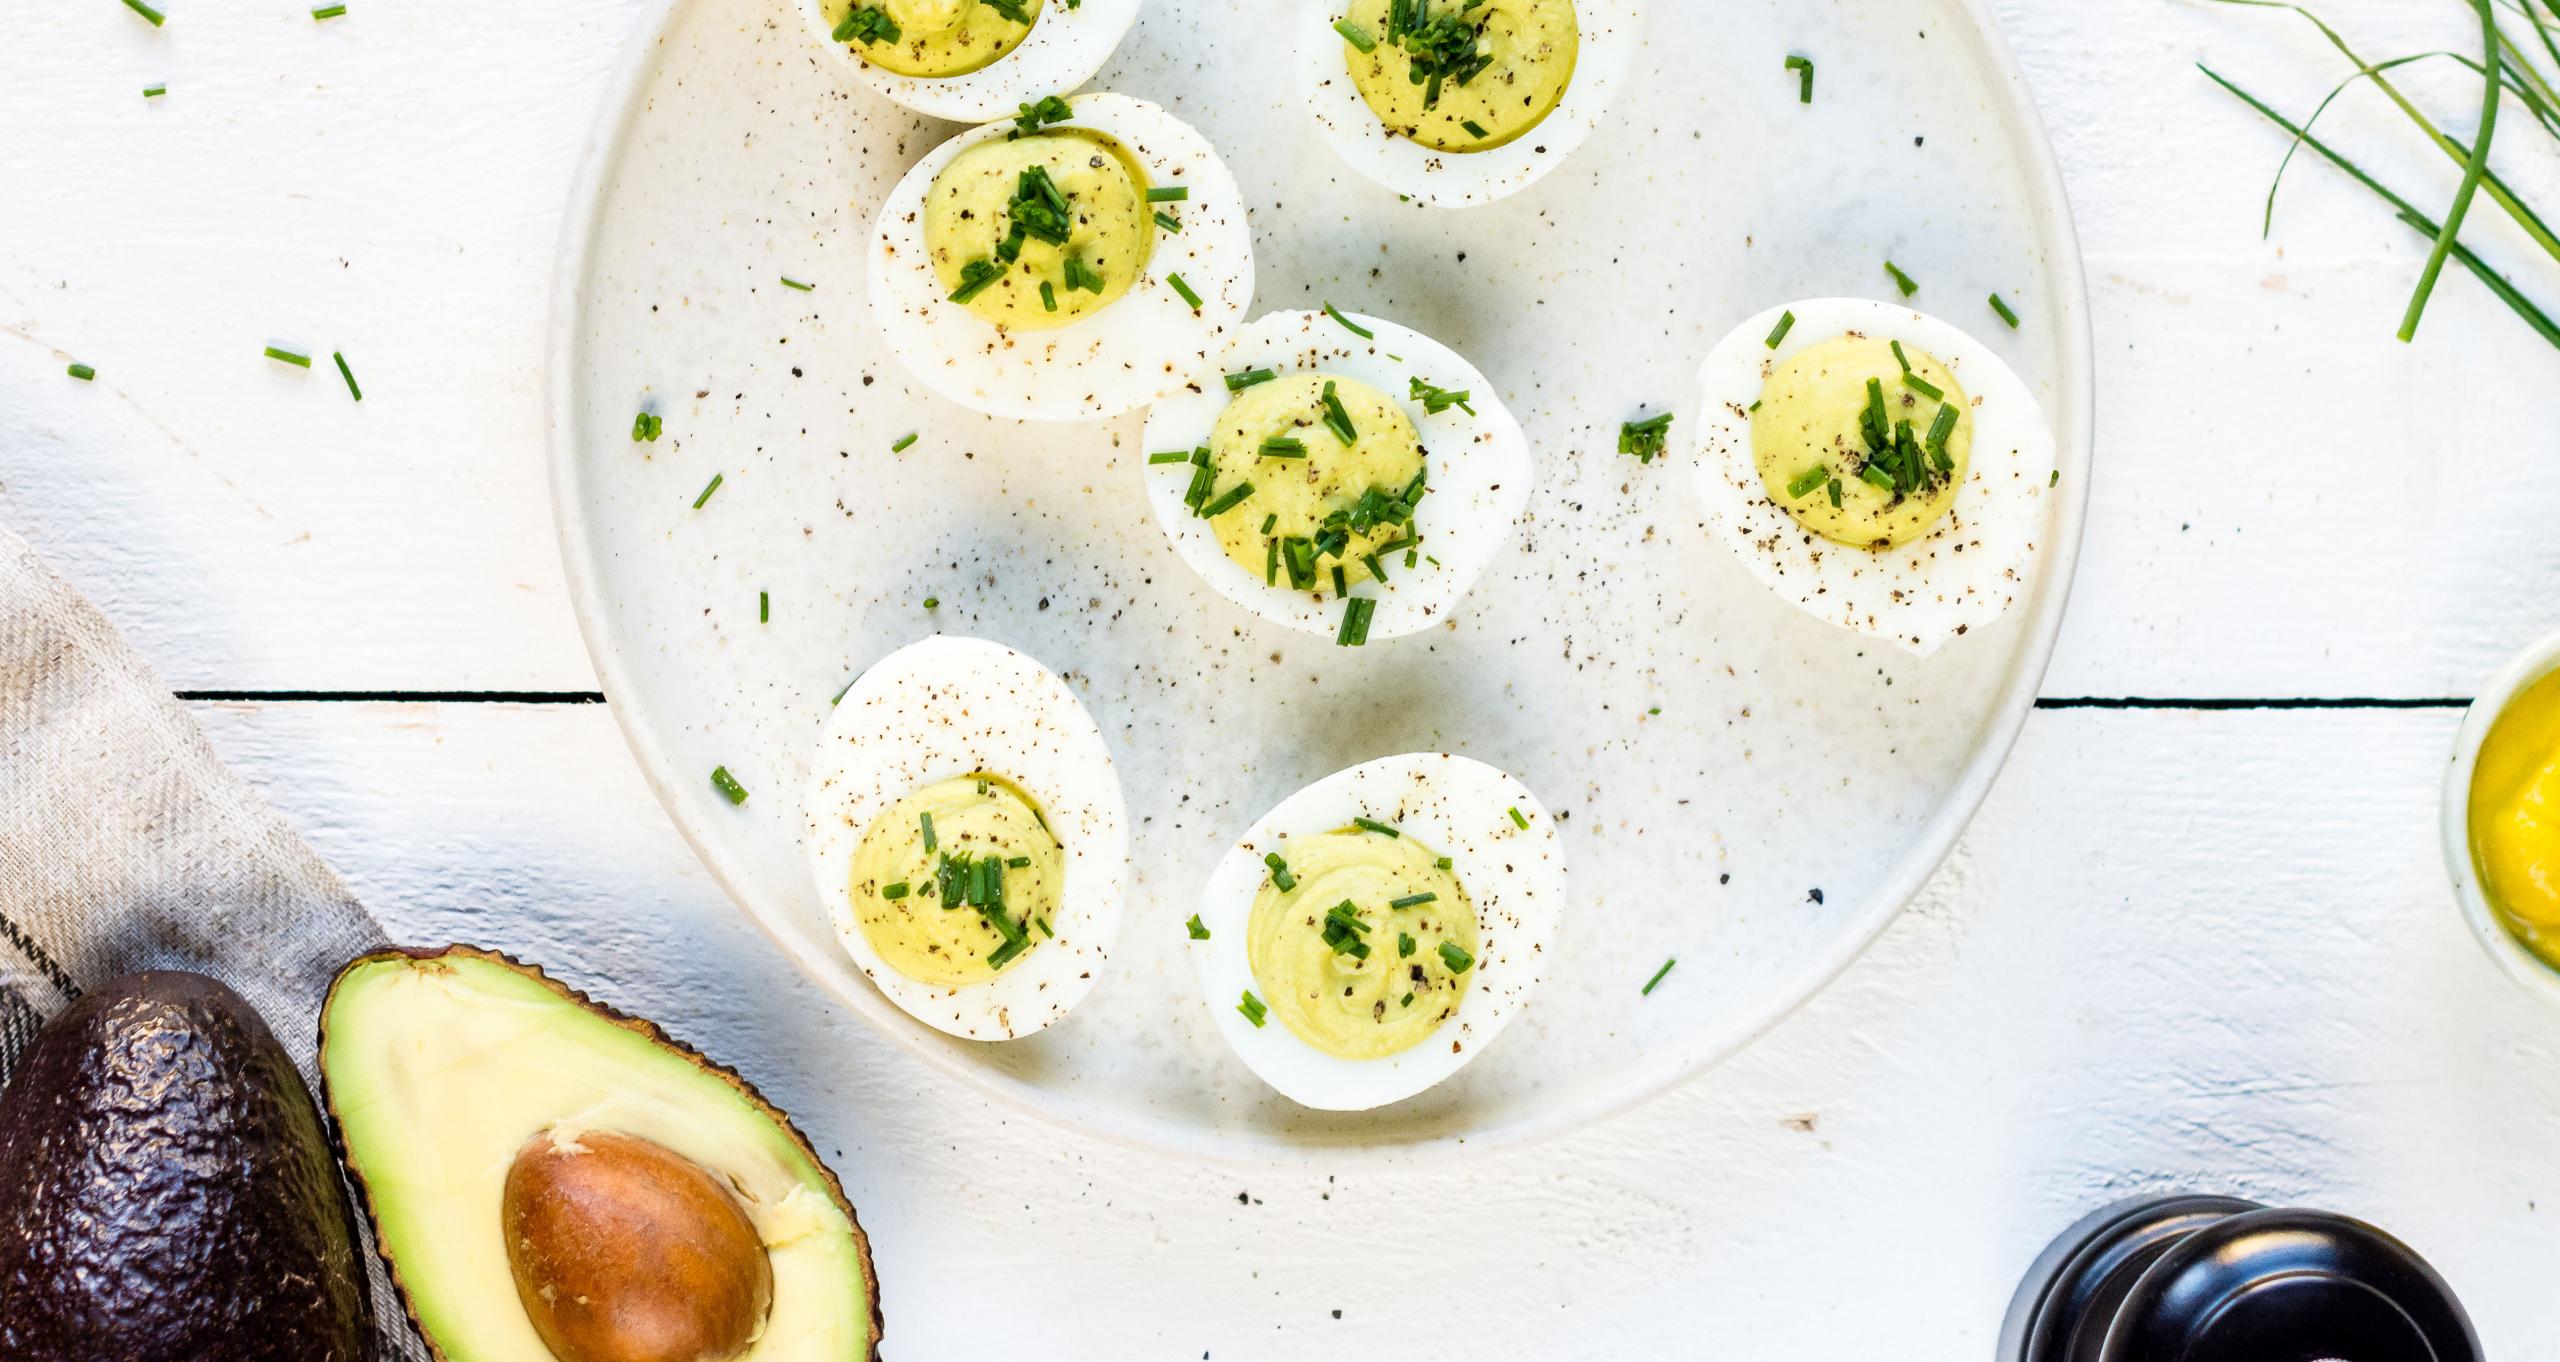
(126, 845)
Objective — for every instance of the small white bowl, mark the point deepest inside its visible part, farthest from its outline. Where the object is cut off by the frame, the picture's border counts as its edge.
(2521, 965)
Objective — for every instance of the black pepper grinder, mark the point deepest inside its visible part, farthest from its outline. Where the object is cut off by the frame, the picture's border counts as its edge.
(2218, 1279)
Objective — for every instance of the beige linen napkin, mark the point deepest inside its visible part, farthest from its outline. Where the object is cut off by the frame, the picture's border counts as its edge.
(126, 845)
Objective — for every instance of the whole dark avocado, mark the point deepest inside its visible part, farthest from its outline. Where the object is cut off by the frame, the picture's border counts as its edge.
(169, 1189)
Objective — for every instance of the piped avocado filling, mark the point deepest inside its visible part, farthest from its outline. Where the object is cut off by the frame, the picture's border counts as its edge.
(1310, 481)
(1461, 75)
(1864, 441)
(1034, 231)
(958, 880)
(936, 38)
(1361, 941)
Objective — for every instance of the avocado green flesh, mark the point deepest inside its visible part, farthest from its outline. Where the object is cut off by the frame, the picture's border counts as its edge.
(941, 38)
(1349, 1006)
(1296, 495)
(1808, 422)
(1533, 44)
(978, 816)
(439, 1069)
(968, 215)
(166, 1178)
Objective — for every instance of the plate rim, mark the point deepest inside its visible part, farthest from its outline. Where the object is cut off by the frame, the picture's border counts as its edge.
(1934, 841)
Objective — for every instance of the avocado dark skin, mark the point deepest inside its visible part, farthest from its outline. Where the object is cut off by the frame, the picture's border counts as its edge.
(169, 1189)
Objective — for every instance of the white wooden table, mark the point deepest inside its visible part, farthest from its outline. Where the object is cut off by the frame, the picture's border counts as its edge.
(2198, 939)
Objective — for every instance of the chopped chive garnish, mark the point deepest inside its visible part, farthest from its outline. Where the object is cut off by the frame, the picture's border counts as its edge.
(154, 91)
(728, 785)
(1900, 358)
(2001, 306)
(1253, 1009)
(708, 488)
(1874, 476)
(1004, 955)
(1341, 586)
(348, 374)
(2055, 480)
(1280, 876)
(841, 692)
(1803, 67)
(1455, 957)
(1645, 439)
(1941, 428)
(764, 607)
(1336, 418)
(1413, 900)
(147, 12)
(1923, 386)
(1268, 521)
(1030, 117)
(1283, 447)
(82, 372)
(925, 821)
(1474, 128)
(894, 892)
(1238, 382)
(1168, 221)
(1778, 333)
(1444, 863)
(1048, 296)
(1833, 486)
(1355, 35)
(1227, 501)
(1373, 825)
(1376, 570)
(1436, 399)
(900, 446)
(1408, 1000)
(933, 602)
(1188, 297)
(1170, 456)
(1518, 819)
(328, 12)
(1045, 928)
(1349, 325)
(791, 283)
(1169, 193)
(868, 24)
(1405, 945)
(289, 357)
(648, 425)
(1902, 281)
(1199, 930)
(1807, 480)
(976, 277)
(1657, 977)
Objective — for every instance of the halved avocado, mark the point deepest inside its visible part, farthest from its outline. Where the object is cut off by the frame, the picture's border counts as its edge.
(473, 1095)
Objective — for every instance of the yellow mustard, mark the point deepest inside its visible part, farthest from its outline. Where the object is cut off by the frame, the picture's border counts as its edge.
(2515, 817)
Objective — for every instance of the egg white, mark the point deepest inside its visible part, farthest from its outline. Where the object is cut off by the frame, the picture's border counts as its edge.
(1458, 807)
(946, 707)
(1144, 345)
(1960, 575)
(1480, 469)
(1611, 32)
(1061, 52)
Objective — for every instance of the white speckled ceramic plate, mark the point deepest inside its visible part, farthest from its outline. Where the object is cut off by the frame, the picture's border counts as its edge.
(1737, 784)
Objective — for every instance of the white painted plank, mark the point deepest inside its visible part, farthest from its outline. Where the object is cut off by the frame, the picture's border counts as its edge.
(2288, 501)
(2177, 950)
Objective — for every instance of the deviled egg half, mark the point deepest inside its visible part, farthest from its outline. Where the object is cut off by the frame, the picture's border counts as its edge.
(1072, 264)
(972, 60)
(968, 834)
(1338, 473)
(1459, 102)
(1380, 927)
(1876, 466)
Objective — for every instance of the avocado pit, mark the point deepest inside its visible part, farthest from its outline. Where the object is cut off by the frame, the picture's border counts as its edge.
(623, 1250)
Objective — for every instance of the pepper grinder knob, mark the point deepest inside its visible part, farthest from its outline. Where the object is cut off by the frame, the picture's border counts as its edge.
(2217, 1279)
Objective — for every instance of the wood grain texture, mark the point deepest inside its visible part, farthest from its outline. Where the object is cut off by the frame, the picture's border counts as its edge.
(2289, 501)
(2176, 951)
